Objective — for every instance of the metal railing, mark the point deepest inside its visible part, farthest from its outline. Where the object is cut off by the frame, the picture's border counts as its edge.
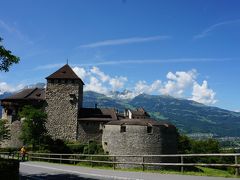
(181, 160)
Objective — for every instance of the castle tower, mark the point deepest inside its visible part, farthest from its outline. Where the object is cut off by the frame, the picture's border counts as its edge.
(64, 96)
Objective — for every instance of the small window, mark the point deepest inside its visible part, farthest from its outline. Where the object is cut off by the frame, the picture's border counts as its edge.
(123, 129)
(149, 129)
(100, 126)
(105, 143)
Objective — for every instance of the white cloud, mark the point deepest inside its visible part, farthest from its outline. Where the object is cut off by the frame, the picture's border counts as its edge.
(100, 74)
(97, 80)
(117, 82)
(178, 83)
(4, 87)
(181, 84)
(143, 87)
(202, 94)
(81, 72)
(213, 27)
(137, 61)
(95, 85)
(113, 42)
(49, 66)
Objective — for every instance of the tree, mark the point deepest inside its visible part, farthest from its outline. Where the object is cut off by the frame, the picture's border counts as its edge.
(4, 130)
(33, 127)
(6, 58)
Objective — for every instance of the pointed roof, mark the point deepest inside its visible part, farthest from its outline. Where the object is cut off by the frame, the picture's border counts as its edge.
(64, 72)
(27, 94)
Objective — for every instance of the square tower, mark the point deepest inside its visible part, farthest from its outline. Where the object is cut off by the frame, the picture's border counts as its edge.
(64, 96)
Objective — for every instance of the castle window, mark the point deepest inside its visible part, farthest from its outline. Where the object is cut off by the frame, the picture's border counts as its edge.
(149, 129)
(100, 126)
(72, 97)
(105, 143)
(123, 129)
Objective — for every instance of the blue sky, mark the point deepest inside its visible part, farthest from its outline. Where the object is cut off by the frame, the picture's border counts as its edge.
(187, 49)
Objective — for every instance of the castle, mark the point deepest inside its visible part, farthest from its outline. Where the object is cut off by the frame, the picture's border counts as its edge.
(68, 120)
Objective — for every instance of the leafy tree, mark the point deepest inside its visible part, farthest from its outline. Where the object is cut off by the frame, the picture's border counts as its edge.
(205, 146)
(191, 146)
(4, 130)
(6, 58)
(184, 144)
(33, 127)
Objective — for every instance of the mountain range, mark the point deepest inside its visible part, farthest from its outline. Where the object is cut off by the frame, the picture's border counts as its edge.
(188, 116)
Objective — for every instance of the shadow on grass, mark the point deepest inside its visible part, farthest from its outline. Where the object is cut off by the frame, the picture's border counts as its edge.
(60, 176)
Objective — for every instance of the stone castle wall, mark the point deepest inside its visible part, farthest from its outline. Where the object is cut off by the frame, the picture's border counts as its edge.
(63, 100)
(14, 139)
(136, 141)
(89, 131)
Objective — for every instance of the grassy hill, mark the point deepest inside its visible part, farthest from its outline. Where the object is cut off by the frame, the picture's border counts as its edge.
(188, 116)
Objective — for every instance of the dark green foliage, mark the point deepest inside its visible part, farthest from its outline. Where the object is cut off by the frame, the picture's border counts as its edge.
(9, 169)
(6, 58)
(184, 144)
(208, 146)
(191, 146)
(92, 148)
(204, 146)
(33, 127)
(9, 149)
(54, 146)
(76, 148)
(4, 130)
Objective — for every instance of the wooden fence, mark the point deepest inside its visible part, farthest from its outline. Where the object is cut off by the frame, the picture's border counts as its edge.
(182, 159)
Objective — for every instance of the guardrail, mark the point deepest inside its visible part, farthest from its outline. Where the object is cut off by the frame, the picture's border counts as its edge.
(182, 159)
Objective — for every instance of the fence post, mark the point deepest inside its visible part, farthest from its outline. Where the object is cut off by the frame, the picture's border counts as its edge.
(61, 159)
(74, 161)
(143, 167)
(91, 161)
(114, 160)
(182, 167)
(236, 168)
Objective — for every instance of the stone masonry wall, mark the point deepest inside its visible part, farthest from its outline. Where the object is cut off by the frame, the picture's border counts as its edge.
(15, 131)
(89, 131)
(62, 109)
(136, 141)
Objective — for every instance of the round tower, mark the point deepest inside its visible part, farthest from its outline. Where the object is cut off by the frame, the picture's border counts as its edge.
(64, 96)
(139, 137)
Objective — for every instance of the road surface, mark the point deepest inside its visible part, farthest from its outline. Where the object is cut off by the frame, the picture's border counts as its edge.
(42, 170)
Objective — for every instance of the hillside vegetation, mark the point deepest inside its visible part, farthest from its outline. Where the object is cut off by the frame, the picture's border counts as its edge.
(188, 116)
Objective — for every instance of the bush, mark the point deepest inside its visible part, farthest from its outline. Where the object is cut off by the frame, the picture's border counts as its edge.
(76, 148)
(9, 169)
(93, 148)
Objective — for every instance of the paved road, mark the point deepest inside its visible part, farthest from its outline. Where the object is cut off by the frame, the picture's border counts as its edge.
(41, 170)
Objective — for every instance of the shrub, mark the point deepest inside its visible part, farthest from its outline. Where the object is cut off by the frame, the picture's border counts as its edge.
(9, 169)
